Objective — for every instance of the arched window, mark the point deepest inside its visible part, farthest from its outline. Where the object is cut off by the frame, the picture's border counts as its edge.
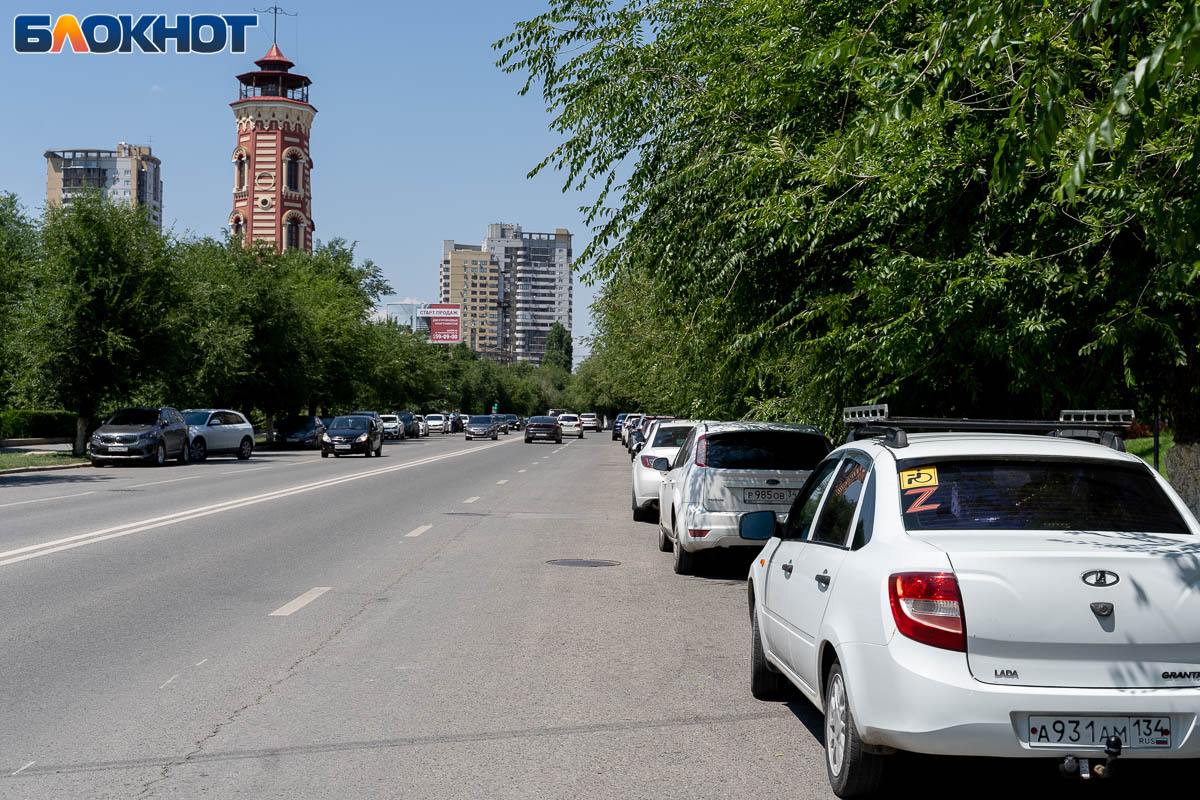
(293, 234)
(292, 173)
(238, 227)
(240, 176)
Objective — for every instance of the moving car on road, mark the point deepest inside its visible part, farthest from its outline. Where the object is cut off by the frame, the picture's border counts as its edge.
(665, 439)
(151, 435)
(724, 469)
(481, 426)
(590, 422)
(213, 431)
(985, 593)
(543, 428)
(300, 432)
(392, 427)
(353, 433)
(569, 423)
(501, 423)
(514, 422)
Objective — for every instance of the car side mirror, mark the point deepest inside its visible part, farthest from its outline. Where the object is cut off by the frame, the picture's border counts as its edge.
(757, 525)
(663, 465)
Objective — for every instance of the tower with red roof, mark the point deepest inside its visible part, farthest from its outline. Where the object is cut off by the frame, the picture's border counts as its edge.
(272, 168)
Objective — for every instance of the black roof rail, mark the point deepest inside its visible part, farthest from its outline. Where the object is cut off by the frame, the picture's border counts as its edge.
(1096, 425)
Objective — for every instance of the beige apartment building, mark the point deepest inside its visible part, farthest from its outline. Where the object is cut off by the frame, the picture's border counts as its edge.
(130, 174)
(470, 277)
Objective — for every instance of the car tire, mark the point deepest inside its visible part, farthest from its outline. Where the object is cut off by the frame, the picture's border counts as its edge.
(495, 437)
(160, 454)
(199, 449)
(379, 451)
(638, 514)
(766, 683)
(96, 462)
(324, 453)
(185, 453)
(857, 773)
(468, 438)
(245, 449)
(528, 440)
(664, 543)
(684, 562)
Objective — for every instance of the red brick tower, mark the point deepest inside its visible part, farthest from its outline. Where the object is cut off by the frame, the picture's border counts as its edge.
(272, 189)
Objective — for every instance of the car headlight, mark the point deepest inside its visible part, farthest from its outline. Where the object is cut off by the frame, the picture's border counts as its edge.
(325, 437)
(362, 438)
(96, 437)
(148, 437)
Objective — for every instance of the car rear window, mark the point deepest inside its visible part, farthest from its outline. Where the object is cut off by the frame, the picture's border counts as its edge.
(1034, 495)
(765, 450)
(543, 421)
(671, 437)
(568, 418)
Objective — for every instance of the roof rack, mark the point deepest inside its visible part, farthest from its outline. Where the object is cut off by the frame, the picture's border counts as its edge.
(1096, 425)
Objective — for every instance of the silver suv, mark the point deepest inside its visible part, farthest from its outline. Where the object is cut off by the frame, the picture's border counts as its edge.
(218, 430)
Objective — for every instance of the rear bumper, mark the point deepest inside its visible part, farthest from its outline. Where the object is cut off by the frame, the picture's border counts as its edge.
(722, 527)
(922, 699)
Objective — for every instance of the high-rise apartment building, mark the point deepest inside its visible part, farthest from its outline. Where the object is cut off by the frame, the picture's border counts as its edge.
(470, 277)
(129, 175)
(532, 288)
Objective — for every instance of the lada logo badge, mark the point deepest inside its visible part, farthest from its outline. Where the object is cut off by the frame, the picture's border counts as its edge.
(1100, 577)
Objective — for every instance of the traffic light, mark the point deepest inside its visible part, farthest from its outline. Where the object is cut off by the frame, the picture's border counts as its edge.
(495, 407)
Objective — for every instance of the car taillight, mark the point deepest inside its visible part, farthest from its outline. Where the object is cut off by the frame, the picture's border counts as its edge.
(648, 462)
(697, 533)
(928, 608)
(702, 452)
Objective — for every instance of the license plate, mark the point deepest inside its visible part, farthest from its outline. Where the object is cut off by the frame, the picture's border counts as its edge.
(1146, 732)
(772, 496)
(341, 447)
(118, 448)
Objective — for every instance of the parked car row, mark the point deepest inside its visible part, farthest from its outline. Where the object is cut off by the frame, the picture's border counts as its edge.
(948, 587)
(156, 435)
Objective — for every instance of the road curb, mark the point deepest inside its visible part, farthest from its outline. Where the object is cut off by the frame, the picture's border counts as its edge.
(49, 468)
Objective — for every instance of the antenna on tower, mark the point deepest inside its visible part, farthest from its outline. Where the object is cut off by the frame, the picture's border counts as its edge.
(276, 10)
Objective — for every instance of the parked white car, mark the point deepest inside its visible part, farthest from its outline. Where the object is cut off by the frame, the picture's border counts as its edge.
(436, 423)
(424, 426)
(723, 469)
(590, 422)
(570, 424)
(392, 426)
(631, 422)
(218, 430)
(982, 594)
(663, 440)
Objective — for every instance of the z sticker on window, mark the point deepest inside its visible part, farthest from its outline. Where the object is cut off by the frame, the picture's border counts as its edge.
(919, 478)
(919, 497)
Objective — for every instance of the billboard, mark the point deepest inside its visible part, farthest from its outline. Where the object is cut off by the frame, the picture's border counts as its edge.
(445, 322)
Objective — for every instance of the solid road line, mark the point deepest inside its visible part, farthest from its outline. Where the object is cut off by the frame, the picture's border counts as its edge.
(300, 602)
(79, 540)
(418, 531)
(43, 499)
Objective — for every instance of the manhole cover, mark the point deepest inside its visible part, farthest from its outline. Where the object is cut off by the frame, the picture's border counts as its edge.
(581, 562)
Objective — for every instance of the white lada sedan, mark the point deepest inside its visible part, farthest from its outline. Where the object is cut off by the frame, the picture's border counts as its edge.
(982, 594)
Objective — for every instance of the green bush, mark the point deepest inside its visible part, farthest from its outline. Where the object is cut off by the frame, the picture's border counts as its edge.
(24, 423)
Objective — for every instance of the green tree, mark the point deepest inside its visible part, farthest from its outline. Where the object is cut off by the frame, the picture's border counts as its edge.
(18, 251)
(559, 349)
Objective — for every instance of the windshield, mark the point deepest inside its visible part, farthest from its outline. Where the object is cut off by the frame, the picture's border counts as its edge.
(671, 437)
(136, 416)
(389, 418)
(568, 418)
(195, 417)
(434, 418)
(480, 421)
(1034, 495)
(350, 423)
(765, 450)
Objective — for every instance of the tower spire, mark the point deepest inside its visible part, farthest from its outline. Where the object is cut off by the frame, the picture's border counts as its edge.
(276, 11)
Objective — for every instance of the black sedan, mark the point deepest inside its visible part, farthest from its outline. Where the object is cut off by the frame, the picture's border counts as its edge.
(543, 428)
(482, 427)
(150, 435)
(300, 432)
(353, 434)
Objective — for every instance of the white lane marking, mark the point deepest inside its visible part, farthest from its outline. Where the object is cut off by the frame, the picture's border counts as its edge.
(22, 769)
(522, 470)
(300, 602)
(79, 540)
(470, 499)
(198, 663)
(246, 469)
(501, 483)
(418, 531)
(171, 480)
(44, 499)
(536, 463)
(173, 677)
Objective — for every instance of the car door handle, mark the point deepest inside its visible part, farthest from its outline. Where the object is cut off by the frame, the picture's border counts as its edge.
(786, 567)
(822, 579)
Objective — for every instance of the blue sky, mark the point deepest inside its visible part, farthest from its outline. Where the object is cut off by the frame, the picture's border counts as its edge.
(418, 136)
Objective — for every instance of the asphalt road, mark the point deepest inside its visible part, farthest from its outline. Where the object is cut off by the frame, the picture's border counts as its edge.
(293, 627)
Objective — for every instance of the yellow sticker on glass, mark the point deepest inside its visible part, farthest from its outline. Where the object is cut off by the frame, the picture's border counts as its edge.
(918, 478)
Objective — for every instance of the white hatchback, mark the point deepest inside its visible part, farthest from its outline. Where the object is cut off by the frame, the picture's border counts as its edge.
(724, 469)
(664, 439)
(982, 594)
(436, 423)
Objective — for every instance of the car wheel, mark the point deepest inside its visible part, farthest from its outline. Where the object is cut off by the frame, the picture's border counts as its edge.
(638, 514)
(379, 450)
(685, 562)
(528, 440)
(664, 544)
(199, 450)
(324, 453)
(495, 436)
(468, 438)
(245, 448)
(853, 772)
(765, 682)
(160, 454)
(97, 462)
(185, 453)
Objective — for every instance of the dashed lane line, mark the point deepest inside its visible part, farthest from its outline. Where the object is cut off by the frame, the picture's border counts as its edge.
(417, 531)
(470, 500)
(300, 602)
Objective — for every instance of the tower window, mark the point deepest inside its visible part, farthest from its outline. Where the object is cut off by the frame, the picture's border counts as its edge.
(238, 229)
(293, 234)
(240, 175)
(292, 174)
